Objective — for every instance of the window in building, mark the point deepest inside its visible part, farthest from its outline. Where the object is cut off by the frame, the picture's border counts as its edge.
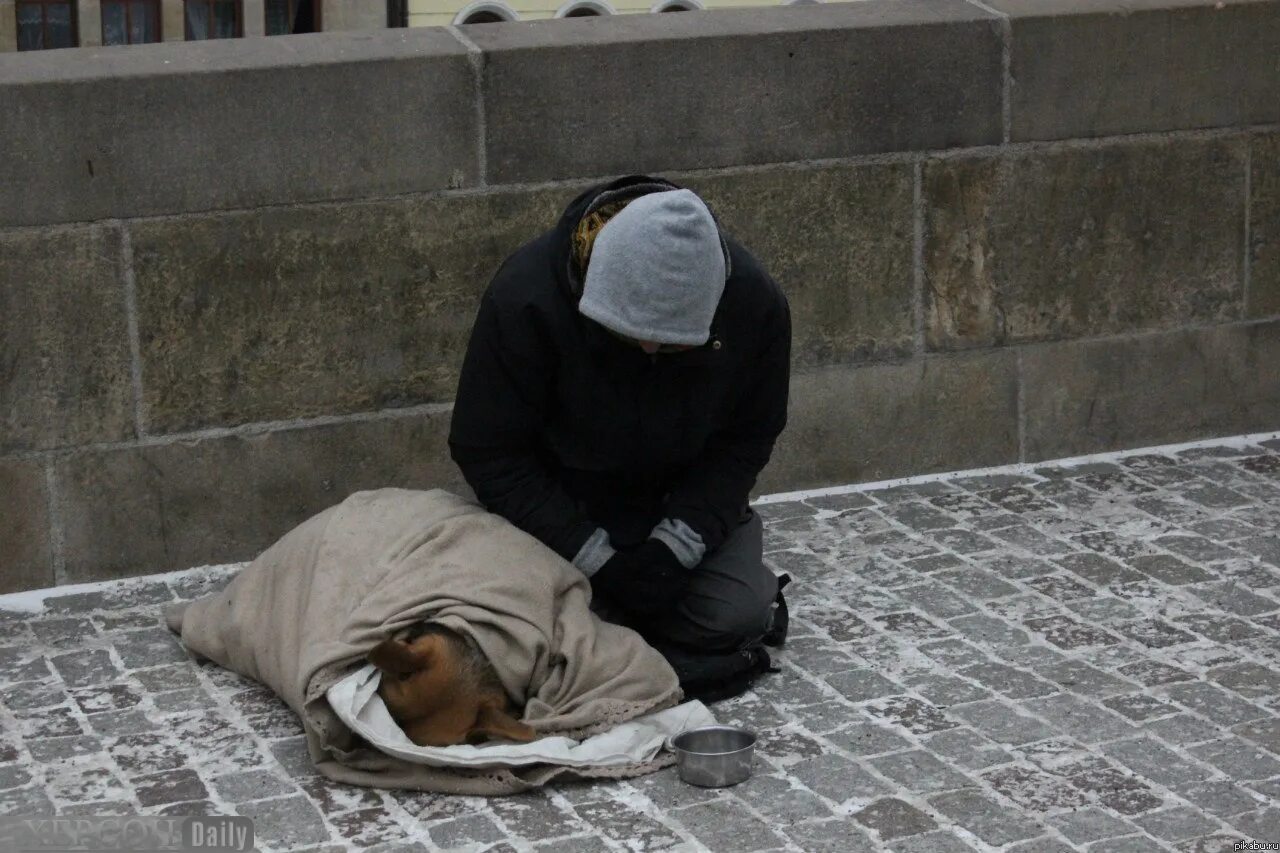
(44, 24)
(130, 21)
(213, 19)
(583, 9)
(397, 13)
(486, 12)
(676, 6)
(292, 16)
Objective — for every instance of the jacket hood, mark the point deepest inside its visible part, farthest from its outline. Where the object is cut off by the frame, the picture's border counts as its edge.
(564, 268)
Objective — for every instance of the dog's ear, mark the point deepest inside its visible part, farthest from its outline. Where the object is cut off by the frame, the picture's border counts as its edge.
(399, 658)
(493, 722)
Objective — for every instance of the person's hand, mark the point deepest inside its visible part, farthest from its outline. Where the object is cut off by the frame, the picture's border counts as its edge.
(646, 581)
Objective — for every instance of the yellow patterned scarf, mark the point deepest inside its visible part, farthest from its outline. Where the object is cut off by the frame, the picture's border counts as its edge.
(584, 236)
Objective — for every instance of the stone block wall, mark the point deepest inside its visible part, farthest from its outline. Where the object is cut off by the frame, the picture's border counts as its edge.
(236, 279)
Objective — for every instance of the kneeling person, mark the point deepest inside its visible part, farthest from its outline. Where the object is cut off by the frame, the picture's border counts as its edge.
(625, 382)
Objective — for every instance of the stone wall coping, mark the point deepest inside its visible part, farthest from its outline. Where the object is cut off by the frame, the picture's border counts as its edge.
(243, 54)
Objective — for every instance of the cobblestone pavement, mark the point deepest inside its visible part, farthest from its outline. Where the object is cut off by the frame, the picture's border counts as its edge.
(1079, 658)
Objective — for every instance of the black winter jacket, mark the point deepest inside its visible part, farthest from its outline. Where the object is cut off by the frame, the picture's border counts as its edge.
(561, 428)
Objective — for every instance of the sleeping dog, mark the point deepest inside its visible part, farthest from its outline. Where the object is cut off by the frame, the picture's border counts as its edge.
(441, 690)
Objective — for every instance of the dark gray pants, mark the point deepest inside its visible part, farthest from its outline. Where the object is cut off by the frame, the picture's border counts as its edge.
(729, 601)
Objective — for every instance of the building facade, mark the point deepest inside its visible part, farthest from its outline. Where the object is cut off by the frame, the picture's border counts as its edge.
(45, 24)
(430, 13)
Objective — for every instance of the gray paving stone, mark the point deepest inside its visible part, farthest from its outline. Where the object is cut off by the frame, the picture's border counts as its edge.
(992, 822)
(830, 836)
(943, 690)
(820, 718)
(1231, 597)
(817, 657)
(13, 776)
(936, 600)
(868, 739)
(368, 828)
(919, 771)
(1177, 824)
(285, 822)
(1154, 761)
(1090, 824)
(1263, 732)
(976, 583)
(931, 842)
(1078, 677)
(1029, 655)
(1040, 845)
(465, 833)
(777, 798)
(954, 653)
(251, 785)
(171, 786)
(1063, 757)
(577, 844)
(292, 755)
(1033, 789)
(1139, 706)
(85, 668)
(838, 779)
(1001, 723)
(914, 715)
(149, 647)
(1119, 791)
(1154, 633)
(1132, 844)
(1219, 628)
(967, 749)
(1097, 569)
(1196, 548)
(1221, 798)
(30, 800)
(988, 630)
(1258, 825)
(860, 685)
(892, 818)
(1238, 758)
(726, 825)
(1214, 703)
(1013, 683)
(1182, 729)
(621, 821)
(787, 745)
(1068, 633)
(52, 749)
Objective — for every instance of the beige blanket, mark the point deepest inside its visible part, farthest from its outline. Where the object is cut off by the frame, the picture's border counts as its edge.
(306, 612)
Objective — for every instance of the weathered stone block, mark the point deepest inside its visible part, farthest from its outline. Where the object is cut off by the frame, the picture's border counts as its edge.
(149, 509)
(822, 81)
(1092, 396)
(839, 242)
(1103, 67)
(1083, 241)
(1264, 226)
(333, 115)
(291, 312)
(26, 560)
(877, 422)
(64, 344)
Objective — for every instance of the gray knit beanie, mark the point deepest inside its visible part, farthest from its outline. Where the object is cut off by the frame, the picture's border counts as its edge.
(657, 270)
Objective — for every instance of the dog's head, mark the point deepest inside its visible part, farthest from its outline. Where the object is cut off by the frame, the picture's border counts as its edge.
(444, 692)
